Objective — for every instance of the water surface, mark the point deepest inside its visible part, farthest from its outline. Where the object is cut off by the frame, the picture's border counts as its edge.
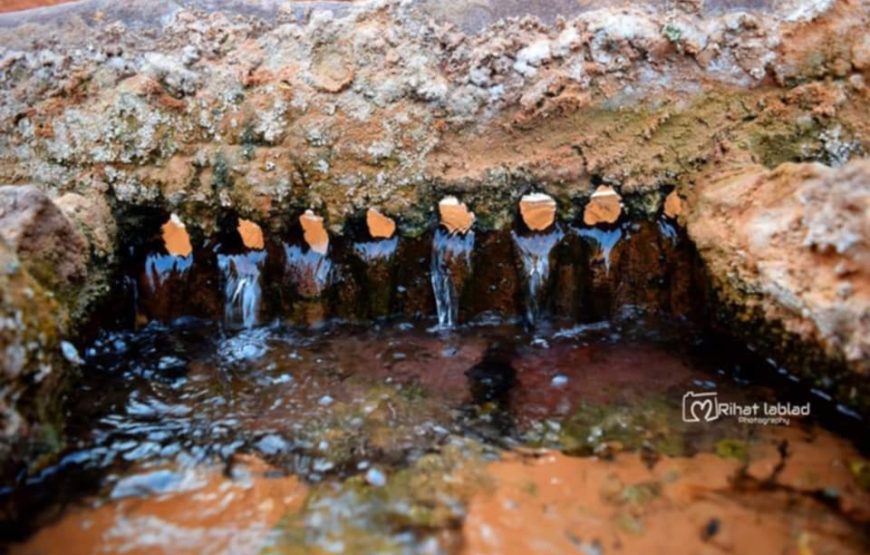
(490, 438)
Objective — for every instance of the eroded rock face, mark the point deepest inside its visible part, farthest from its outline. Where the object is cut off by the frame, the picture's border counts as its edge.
(55, 262)
(399, 103)
(32, 370)
(50, 247)
(788, 249)
(93, 218)
(343, 105)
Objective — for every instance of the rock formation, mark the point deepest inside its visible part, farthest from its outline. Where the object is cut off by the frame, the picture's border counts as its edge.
(747, 120)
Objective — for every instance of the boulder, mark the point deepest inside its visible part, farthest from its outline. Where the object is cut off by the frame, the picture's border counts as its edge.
(50, 247)
(788, 255)
(33, 371)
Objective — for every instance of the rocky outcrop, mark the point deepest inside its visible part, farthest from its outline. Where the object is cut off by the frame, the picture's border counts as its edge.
(51, 248)
(52, 269)
(788, 252)
(33, 372)
(339, 106)
(267, 110)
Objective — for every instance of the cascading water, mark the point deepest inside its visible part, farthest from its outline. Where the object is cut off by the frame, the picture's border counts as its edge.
(309, 270)
(375, 251)
(451, 257)
(605, 239)
(242, 288)
(535, 252)
(160, 268)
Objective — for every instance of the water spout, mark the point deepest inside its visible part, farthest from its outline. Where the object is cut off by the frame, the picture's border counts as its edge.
(242, 288)
(375, 251)
(160, 268)
(605, 239)
(384, 241)
(535, 252)
(309, 270)
(451, 260)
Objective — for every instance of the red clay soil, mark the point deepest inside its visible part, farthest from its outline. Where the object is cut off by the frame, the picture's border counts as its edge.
(18, 5)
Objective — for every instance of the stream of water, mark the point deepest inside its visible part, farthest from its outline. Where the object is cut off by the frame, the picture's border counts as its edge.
(451, 260)
(309, 270)
(534, 250)
(242, 288)
(160, 268)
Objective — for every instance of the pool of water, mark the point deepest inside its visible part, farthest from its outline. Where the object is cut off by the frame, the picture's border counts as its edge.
(400, 438)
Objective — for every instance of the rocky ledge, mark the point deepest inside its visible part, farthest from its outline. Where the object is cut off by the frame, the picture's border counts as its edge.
(744, 117)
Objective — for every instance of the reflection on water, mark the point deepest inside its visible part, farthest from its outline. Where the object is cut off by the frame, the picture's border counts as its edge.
(189, 440)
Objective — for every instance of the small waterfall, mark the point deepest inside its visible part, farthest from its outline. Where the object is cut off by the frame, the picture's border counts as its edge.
(606, 239)
(375, 251)
(160, 268)
(535, 253)
(309, 270)
(451, 259)
(242, 288)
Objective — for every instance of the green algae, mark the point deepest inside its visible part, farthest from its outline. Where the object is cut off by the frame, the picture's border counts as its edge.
(860, 470)
(415, 507)
(732, 449)
(593, 429)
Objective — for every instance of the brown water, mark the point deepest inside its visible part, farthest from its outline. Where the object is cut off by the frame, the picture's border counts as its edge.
(398, 439)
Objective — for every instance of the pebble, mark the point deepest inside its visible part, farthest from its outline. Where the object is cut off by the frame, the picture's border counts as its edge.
(376, 478)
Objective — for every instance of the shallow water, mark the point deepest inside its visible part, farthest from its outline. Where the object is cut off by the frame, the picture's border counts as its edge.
(398, 439)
